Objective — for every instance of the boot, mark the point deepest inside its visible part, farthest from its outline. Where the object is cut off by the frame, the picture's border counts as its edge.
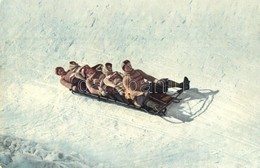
(186, 83)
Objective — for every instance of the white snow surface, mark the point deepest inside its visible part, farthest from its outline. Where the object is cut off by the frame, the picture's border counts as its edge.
(214, 42)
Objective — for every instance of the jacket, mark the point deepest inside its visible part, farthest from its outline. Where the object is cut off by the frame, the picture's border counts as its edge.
(95, 83)
(136, 83)
(113, 79)
(80, 74)
(66, 80)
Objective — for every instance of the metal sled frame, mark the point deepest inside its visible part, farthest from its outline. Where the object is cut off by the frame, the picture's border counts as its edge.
(164, 99)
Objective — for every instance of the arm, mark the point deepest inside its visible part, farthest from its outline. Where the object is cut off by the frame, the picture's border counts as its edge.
(121, 74)
(129, 91)
(65, 83)
(91, 88)
(125, 84)
(119, 87)
(148, 77)
(79, 76)
(109, 83)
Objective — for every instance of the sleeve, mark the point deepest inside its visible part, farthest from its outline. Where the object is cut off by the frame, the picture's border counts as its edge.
(121, 74)
(65, 83)
(91, 88)
(101, 79)
(79, 76)
(108, 83)
(148, 77)
(126, 83)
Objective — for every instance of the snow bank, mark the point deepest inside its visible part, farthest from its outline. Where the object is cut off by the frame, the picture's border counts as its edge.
(16, 152)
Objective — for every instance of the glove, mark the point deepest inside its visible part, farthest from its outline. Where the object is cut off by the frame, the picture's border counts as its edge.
(158, 82)
(121, 92)
(73, 88)
(145, 94)
(103, 93)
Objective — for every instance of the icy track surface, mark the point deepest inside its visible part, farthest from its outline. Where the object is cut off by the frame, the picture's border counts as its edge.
(215, 43)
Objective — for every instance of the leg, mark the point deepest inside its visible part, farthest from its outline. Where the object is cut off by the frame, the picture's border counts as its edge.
(82, 88)
(163, 87)
(113, 93)
(185, 85)
(172, 84)
(159, 88)
(156, 107)
(145, 101)
(80, 85)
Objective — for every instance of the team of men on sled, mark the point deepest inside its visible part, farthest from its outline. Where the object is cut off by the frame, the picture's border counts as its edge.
(133, 84)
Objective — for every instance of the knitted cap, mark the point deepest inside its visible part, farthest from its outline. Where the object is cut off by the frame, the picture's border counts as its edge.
(73, 64)
(105, 70)
(124, 63)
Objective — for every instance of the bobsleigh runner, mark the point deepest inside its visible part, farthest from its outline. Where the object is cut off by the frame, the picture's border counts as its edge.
(164, 99)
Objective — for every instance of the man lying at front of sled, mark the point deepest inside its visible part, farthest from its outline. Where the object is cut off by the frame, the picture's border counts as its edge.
(68, 78)
(138, 85)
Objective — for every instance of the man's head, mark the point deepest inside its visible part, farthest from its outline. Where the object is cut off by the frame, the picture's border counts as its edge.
(60, 71)
(108, 66)
(126, 66)
(89, 71)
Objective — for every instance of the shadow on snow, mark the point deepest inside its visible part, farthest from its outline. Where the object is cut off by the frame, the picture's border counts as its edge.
(194, 102)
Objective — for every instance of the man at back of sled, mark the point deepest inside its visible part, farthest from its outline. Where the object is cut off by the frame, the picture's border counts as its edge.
(68, 78)
(138, 86)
